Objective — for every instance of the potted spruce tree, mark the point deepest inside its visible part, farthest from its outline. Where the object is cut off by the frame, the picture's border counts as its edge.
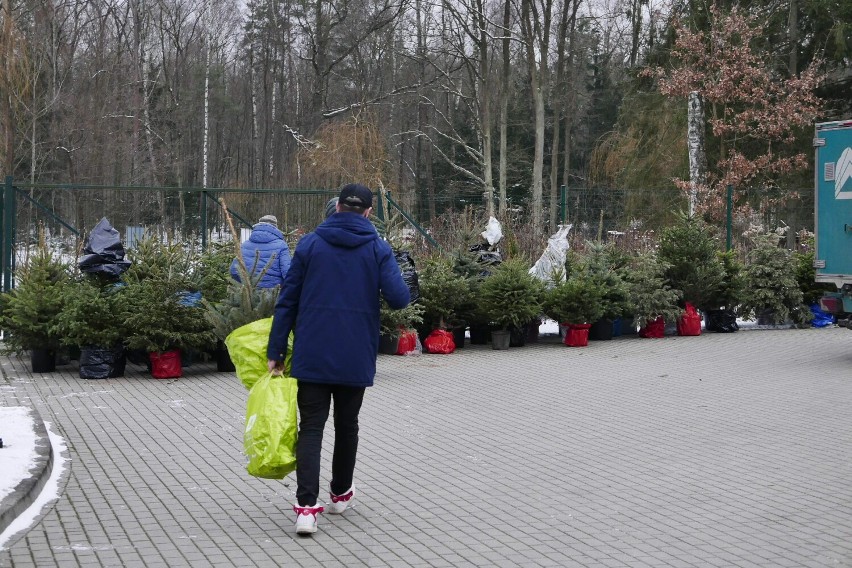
(90, 320)
(772, 294)
(28, 312)
(442, 293)
(603, 263)
(470, 313)
(720, 315)
(162, 322)
(394, 323)
(652, 300)
(689, 252)
(162, 307)
(575, 303)
(510, 297)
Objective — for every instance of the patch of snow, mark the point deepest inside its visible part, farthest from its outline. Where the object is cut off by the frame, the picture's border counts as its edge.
(49, 493)
(17, 456)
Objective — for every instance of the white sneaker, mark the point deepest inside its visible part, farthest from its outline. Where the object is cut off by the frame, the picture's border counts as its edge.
(306, 518)
(339, 503)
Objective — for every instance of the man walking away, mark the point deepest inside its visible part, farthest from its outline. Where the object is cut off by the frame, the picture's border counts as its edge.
(265, 245)
(330, 299)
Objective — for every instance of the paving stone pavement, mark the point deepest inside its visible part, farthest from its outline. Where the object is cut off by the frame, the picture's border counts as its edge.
(728, 450)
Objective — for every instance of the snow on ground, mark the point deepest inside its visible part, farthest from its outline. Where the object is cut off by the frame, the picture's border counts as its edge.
(50, 490)
(18, 454)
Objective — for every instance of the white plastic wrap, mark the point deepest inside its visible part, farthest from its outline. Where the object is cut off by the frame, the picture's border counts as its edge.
(493, 231)
(552, 261)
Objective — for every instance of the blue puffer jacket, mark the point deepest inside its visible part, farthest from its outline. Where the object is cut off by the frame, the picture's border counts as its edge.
(330, 300)
(266, 240)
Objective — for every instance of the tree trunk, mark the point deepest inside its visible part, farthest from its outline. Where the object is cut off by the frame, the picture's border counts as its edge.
(504, 105)
(695, 144)
(537, 31)
(205, 152)
(8, 125)
(485, 101)
(793, 33)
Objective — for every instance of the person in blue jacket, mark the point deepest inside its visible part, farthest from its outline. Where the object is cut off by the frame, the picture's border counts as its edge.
(265, 244)
(330, 300)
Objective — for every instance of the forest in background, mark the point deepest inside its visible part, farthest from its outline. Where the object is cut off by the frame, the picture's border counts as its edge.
(499, 101)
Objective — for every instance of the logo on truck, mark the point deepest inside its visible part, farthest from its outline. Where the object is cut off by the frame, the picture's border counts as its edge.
(842, 175)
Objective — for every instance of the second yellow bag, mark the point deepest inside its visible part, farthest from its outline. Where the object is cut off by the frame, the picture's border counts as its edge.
(272, 427)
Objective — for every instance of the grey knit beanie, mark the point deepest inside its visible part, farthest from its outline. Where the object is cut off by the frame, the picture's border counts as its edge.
(269, 219)
(331, 207)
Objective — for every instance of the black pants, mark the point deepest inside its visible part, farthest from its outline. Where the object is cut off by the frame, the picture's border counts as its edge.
(314, 402)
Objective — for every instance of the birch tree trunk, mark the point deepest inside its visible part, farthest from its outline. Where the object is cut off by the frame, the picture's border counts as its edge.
(695, 144)
(485, 104)
(205, 150)
(255, 152)
(504, 103)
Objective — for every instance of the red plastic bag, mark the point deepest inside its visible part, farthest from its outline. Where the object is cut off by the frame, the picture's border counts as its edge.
(440, 341)
(407, 342)
(654, 329)
(690, 322)
(577, 334)
(166, 364)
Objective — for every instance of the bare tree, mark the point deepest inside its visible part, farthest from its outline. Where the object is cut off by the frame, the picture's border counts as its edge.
(536, 20)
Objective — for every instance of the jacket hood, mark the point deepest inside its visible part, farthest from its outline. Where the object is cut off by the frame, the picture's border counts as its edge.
(264, 233)
(348, 230)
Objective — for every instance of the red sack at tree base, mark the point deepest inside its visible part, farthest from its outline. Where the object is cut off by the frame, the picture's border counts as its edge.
(407, 342)
(166, 364)
(577, 335)
(440, 341)
(654, 329)
(690, 322)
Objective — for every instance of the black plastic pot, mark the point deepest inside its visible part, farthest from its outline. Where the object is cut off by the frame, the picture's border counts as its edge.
(517, 336)
(601, 330)
(43, 360)
(532, 331)
(720, 321)
(388, 345)
(479, 334)
(459, 336)
(500, 339)
(223, 360)
(102, 362)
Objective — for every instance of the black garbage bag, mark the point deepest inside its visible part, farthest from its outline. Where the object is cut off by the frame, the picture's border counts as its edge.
(409, 273)
(102, 362)
(721, 321)
(103, 252)
(486, 257)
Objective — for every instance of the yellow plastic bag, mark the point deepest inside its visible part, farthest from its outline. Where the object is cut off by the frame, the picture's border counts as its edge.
(272, 427)
(247, 348)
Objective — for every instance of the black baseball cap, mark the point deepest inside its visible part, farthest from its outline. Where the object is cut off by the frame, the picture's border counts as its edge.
(356, 195)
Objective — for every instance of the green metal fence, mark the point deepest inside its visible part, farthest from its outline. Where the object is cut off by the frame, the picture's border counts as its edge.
(65, 214)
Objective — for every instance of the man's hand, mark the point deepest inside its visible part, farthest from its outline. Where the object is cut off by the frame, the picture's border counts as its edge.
(275, 367)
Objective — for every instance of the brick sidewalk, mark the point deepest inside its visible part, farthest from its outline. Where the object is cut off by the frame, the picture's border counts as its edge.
(720, 450)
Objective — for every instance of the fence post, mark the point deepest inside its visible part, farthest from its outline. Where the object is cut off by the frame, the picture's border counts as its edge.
(380, 198)
(562, 198)
(730, 220)
(8, 248)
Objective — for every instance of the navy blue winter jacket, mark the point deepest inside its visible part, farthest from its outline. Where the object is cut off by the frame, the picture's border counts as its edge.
(330, 300)
(266, 240)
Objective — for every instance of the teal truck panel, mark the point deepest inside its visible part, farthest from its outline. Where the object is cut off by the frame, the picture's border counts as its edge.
(833, 203)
